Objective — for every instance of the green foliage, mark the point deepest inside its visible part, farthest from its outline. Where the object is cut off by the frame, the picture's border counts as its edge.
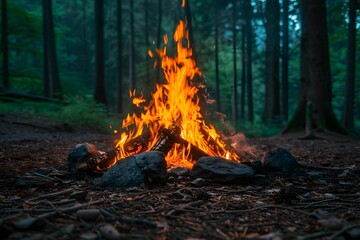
(83, 113)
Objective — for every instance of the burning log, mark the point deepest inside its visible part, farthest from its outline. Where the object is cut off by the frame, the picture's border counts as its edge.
(99, 163)
(138, 144)
(195, 152)
(166, 142)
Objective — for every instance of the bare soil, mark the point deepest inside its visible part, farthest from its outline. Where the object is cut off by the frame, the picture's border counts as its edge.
(321, 201)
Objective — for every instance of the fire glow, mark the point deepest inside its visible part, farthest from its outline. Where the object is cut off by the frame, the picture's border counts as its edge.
(174, 104)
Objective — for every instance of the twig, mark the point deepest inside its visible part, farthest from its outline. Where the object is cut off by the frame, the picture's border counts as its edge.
(258, 208)
(27, 222)
(107, 213)
(342, 231)
(32, 201)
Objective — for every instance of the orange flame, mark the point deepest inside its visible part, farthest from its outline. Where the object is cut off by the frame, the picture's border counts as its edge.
(174, 102)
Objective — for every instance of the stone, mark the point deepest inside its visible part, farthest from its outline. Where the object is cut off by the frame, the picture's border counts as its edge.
(88, 215)
(179, 171)
(199, 182)
(220, 170)
(80, 154)
(148, 168)
(280, 159)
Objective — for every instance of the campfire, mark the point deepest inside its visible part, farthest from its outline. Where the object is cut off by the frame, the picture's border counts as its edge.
(166, 132)
(171, 121)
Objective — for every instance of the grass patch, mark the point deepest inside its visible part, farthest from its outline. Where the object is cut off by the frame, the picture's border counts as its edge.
(81, 113)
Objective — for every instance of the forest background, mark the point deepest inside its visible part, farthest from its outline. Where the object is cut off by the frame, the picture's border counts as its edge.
(51, 49)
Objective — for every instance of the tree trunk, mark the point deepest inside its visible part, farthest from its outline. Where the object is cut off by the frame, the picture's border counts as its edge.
(119, 104)
(147, 42)
(235, 97)
(99, 95)
(217, 80)
(47, 81)
(285, 62)
(348, 115)
(272, 97)
(249, 12)
(85, 48)
(243, 73)
(52, 83)
(5, 46)
(188, 19)
(132, 82)
(315, 71)
(158, 41)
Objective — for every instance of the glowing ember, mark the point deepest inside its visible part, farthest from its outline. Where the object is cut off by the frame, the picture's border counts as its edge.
(174, 103)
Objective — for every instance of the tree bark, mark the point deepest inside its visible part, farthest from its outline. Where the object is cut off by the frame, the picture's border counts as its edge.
(158, 40)
(147, 42)
(248, 16)
(272, 94)
(235, 97)
(132, 83)
(51, 72)
(348, 114)
(315, 83)
(5, 46)
(285, 62)
(119, 104)
(217, 80)
(243, 72)
(188, 18)
(47, 81)
(99, 95)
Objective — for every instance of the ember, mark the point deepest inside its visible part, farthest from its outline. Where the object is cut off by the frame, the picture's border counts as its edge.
(171, 122)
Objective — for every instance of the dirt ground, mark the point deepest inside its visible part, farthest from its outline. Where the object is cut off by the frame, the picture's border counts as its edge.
(40, 200)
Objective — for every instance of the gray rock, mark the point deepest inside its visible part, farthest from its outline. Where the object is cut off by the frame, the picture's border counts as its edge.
(220, 170)
(179, 171)
(280, 159)
(134, 171)
(80, 154)
(199, 182)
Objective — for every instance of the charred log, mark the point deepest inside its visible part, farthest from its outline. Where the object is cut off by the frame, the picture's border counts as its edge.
(99, 163)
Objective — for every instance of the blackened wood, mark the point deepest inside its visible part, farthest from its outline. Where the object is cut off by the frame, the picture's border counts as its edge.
(195, 152)
(138, 144)
(99, 163)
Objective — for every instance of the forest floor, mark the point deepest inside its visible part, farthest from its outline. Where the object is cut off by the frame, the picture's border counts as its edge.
(322, 202)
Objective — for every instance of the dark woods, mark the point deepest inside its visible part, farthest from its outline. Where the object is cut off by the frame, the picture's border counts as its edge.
(262, 60)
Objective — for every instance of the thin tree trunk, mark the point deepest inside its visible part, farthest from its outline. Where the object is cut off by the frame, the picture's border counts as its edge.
(315, 83)
(147, 42)
(99, 95)
(285, 61)
(52, 85)
(188, 18)
(249, 13)
(217, 80)
(119, 104)
(158, 40)
(47, 81)
(348, 115)
(272, 100)
(5, 46)
(243, 73)
(132, 84)
(54, 70)
(235, 97)
(85, 48)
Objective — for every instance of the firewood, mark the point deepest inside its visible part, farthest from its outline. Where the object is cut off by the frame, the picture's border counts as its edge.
(99, 163)
(138, 144)
(195, 152)
(166, 142)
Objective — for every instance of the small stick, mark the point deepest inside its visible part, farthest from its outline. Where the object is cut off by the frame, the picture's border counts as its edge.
(32, 201)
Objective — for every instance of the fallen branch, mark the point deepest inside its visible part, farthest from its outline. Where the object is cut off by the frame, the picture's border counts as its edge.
(107, 213)
(29, 221)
